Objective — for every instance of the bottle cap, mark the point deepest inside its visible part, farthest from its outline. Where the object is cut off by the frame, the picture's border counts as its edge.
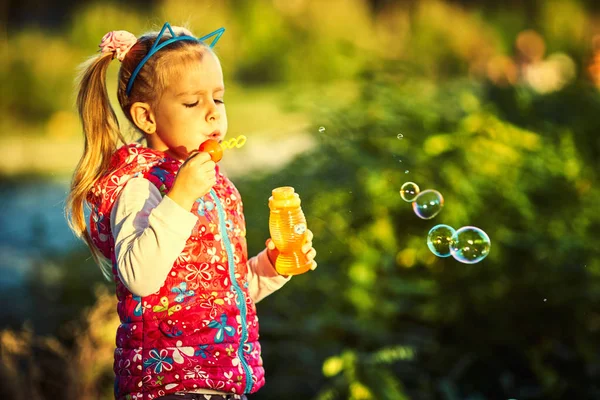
(284, 197)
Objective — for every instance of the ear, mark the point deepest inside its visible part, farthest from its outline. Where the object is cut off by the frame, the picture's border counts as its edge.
(143, 117)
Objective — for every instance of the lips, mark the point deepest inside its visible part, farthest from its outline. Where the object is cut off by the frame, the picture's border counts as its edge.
(215, 135)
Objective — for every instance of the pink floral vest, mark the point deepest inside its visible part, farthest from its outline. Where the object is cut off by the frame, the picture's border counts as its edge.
(200, 329)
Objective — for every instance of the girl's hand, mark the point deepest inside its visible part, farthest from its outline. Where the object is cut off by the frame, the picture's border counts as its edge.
(196, 176)
(307, 249)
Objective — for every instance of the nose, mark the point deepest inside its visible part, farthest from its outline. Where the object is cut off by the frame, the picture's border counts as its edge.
(212, 114)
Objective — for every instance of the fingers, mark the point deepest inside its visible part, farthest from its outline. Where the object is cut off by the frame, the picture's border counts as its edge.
(309, 235)
(306, 247)
(308, 241)
(203, 164)
(202, 158)
(196, 158)
(310, 252)
(192, 154)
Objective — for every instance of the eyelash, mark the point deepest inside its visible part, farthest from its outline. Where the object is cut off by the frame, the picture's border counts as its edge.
(196, 103)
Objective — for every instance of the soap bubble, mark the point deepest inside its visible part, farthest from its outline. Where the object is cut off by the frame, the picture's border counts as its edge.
(409, 191)
(428, 204)
(322, 129)
(439, 238)
(400, 136)
(470, 245)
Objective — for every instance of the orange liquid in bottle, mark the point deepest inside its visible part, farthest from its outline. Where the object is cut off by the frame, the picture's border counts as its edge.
(287, 226)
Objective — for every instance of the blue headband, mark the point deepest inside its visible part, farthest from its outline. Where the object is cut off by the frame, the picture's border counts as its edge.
(156, 47)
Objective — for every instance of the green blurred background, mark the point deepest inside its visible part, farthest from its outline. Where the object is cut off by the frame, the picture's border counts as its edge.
(497, 104)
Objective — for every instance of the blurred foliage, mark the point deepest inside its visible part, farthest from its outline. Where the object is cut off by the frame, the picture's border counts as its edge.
(497, 111)
(523, 323)
(41, 367)
(295, 42)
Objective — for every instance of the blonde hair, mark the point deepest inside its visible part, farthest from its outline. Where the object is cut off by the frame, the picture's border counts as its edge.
(100, 124)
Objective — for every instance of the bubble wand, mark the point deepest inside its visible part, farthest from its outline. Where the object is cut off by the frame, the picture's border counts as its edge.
(215, 149)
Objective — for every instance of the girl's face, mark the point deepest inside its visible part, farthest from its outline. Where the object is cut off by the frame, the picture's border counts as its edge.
(191, 109)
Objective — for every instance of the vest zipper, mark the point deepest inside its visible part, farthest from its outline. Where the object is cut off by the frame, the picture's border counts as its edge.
(240, 294)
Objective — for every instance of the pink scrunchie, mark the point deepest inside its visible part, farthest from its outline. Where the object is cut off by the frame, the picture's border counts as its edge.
(118, 42)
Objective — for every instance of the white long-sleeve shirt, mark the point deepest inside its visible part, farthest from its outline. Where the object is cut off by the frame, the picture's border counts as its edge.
(150, 232)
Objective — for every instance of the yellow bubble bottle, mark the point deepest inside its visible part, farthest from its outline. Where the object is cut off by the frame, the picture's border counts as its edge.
(287, 226)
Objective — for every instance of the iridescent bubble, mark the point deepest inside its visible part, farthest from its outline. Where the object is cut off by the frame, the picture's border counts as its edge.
(409, 191)
(428, 204)
(439, 238)
(322, 129)
(470, 245)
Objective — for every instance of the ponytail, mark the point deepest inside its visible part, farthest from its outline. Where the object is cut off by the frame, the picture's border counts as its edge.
(100, 124)
(102, 135)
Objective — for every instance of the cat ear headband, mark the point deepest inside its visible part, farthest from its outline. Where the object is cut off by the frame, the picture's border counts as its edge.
(119, 42)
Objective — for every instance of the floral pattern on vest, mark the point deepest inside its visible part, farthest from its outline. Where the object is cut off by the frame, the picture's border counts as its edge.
(200, 329)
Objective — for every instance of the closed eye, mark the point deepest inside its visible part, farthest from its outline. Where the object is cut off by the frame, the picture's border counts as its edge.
(191, 105)
(196, 103)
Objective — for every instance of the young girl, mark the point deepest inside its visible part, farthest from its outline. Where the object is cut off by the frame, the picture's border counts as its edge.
(170, 222)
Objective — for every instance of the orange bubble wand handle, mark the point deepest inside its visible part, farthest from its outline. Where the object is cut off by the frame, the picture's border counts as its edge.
(213, 148)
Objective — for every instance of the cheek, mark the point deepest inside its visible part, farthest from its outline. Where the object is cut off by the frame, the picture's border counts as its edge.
(224, 120)
(224, 123)
(165, 117)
